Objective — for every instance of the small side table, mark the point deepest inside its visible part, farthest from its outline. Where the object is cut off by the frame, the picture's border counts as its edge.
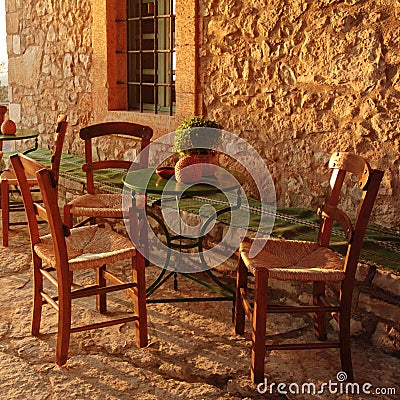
(22, 134)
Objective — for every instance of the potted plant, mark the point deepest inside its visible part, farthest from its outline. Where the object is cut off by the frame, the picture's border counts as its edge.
(195, 140)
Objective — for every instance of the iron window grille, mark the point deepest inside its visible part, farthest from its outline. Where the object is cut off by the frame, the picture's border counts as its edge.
(150, 55)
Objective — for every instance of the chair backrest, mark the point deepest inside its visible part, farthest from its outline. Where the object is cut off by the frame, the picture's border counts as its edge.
(142, 132)
(48, 211)
(56, 150)
(368, 181)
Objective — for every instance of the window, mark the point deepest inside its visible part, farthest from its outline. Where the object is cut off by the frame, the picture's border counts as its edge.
(150, 55)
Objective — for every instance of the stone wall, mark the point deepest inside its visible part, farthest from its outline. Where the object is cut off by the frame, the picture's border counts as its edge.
(296, 79)
(49, 47)
(301, 79)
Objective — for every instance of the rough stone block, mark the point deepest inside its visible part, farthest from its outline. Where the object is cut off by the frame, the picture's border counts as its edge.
(72, 186)
(356, 327)
(16, 44)
(362, 272)
(387, 281)
(380, 308)
(306, 298)
(383, 339)
(12, 23)
(15, 112)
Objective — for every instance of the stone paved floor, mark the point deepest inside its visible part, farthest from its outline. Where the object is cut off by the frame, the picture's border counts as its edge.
(193, 351)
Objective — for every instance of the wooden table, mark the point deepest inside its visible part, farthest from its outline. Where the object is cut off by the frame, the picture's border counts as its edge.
(21, 134)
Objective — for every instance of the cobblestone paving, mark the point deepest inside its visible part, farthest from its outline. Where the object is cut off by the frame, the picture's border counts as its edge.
(193, 351)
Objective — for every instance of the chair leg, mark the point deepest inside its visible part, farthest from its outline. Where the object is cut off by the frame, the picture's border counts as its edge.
(320, 327)
(68, 216)
(64, 321)
(344, 340)
(37, 298)
(259, 325)
(101, 299)
(241, 283)
(5, 211)
(138, 275)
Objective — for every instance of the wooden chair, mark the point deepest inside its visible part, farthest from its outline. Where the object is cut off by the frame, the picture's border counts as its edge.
(314, 263)
(105, 205)
(3, 112)
(58, 255)
(9, 179)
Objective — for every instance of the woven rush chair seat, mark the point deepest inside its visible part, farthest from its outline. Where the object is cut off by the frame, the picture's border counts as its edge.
(288, 260)
(311, 263)
(88, 246)
(99, 205)
(94, 205)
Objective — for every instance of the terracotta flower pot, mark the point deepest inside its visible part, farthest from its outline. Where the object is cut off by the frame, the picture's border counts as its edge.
(188, 169)
(8, 127)
(209, 164)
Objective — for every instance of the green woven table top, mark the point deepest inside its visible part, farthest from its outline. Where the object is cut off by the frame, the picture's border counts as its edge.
(381, 246)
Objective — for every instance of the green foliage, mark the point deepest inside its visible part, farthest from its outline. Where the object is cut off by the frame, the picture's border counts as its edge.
(191, 136)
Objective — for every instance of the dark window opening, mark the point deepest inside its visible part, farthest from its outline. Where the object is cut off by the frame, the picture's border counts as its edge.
(150, 55)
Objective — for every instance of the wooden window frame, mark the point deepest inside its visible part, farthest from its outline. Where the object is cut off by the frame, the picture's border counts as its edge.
(110, 99)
